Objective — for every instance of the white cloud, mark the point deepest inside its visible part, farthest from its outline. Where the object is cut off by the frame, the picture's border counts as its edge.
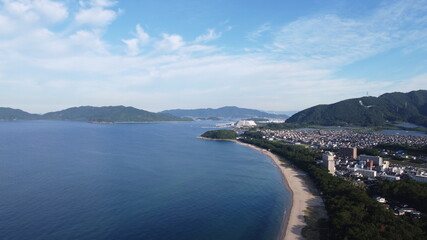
(88, 41)
(6, 25)
(143, 37)
(102, 3)
(169, 42)
(96, 13)
(134, 44)
(95, 16)
(35, 10)
(209, 36)
(16, 7)
(53, 11)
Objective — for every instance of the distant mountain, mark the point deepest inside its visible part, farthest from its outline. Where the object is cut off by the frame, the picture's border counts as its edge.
(92, 114)
(288, 113)
(224, 112)
(10, 114)
(110, 114)
(368, 111)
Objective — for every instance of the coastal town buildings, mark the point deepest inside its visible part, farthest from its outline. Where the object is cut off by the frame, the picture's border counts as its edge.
(377, 160)
(337, 139)
(328, 161)
(350, 153)
(345, 144)
(366, 172)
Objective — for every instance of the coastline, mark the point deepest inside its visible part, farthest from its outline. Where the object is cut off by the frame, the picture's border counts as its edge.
(303, 196)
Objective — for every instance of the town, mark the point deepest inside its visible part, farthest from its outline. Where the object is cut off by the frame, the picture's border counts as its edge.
(335, 139)
(339, 150)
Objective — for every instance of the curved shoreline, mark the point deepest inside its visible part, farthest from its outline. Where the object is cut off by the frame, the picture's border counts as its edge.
(302, 196)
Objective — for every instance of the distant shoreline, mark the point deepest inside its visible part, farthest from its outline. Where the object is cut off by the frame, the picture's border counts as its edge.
(93, 122)
(214, 139)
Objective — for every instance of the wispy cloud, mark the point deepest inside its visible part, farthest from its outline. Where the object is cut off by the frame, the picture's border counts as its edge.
(340, 41)
(209, 36)
(253, 36)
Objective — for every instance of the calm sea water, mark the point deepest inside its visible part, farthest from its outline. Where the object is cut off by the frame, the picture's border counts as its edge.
(403, 133)
(75, 180)
(407, 125)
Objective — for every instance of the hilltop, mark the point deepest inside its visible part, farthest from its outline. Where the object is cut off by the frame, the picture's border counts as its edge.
(368, 111)
(10, 114)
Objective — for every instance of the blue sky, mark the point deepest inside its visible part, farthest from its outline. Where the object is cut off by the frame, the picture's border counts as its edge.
(157, 55)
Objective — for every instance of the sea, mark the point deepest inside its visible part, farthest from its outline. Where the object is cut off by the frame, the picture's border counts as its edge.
(78, 180)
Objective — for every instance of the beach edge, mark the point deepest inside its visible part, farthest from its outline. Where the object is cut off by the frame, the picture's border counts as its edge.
(302, 197)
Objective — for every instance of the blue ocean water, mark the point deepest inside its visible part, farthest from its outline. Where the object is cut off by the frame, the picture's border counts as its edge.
(76, 180)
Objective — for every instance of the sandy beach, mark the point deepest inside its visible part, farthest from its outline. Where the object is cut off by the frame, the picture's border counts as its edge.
(303, 195)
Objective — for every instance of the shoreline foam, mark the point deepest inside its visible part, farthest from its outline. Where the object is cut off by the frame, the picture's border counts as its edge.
(302, 197)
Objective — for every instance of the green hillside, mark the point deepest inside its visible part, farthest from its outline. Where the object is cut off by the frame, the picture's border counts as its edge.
(369, 111)
(110, 114)
(9, 114)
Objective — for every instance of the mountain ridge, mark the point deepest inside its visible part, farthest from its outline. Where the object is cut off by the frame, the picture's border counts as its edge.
(368, 111)
(223, 112)
(92, 114)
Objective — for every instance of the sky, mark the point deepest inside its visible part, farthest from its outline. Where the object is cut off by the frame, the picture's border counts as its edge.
(276, 55)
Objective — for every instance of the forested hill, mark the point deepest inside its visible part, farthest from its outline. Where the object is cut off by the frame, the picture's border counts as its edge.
(369, 111)
(110, 114)
(93, 114)
(224, 112)
(9, 114)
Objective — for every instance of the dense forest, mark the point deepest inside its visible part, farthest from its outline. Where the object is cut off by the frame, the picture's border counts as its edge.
(352, 213)
(368, 111)
(406, 191)
(222, 134)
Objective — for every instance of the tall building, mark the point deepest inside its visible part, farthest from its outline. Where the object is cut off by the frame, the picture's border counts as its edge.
(378, 161)
(347, 153)
(328, 161)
